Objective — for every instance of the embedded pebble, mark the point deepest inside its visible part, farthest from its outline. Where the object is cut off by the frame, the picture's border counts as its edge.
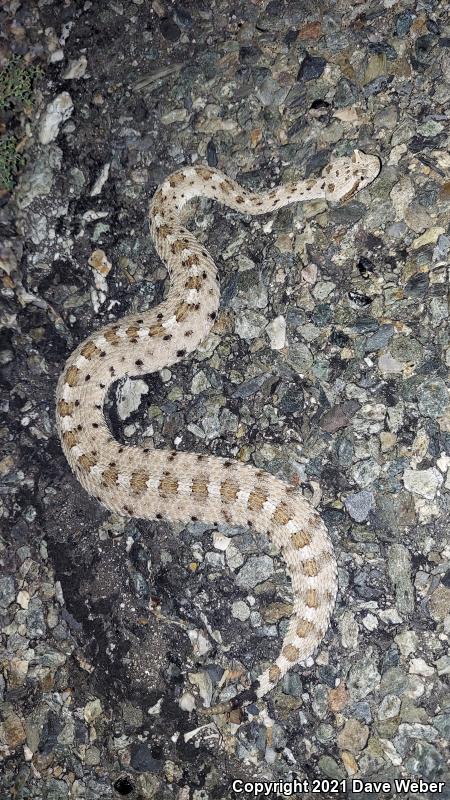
(359, 505)
(256, 570)
(76, 69)
(399, 569)
(240, 610)
(92, 710)
(389, 707)
(423, 482)
(276, 331)
(129, 395)
(353, 736)
(7, 591)
(57, 112)
(311, 68)
(433, 398)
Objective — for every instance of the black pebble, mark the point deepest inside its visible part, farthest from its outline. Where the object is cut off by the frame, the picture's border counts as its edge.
(142, 759)
(365, 266)
(211, 154)
(360, 299)
(124, 786)
(311, 68)
(169, 29)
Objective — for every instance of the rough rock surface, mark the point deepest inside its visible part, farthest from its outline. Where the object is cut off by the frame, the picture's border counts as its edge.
(328, 366)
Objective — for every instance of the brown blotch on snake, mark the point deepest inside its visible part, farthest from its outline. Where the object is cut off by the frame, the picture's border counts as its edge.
(72, 376)
(89, 350)
(168, 485)
(65, 409)
(304, 628)
(290, 652)
(70, 439)
(228, 490)
(256, 500)
(86, 462)
(199, 488)
(138, 481)
(282, 514)
(110, 476)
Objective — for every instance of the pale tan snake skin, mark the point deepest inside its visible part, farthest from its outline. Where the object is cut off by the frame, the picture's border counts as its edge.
(177, 486)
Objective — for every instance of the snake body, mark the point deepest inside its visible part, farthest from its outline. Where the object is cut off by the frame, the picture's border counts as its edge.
(177, 486)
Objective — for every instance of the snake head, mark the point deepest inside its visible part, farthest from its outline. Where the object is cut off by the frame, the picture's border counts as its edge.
(345, 176)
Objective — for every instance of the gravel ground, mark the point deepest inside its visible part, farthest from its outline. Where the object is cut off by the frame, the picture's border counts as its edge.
(327, 367)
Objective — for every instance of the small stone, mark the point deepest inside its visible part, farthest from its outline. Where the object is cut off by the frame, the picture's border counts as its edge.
(443, 665)
(407, 642)
(76, 69)
(142, 759)
(7, 591)
(441, 251)
(169, 29)
(349, 762)
(23, 599)
(276, 331)
(12, 730)
(174, 115)
(187, 702)
(419, 667)
(17, 672)
(98, 260)
(388, 440)
(36, 626)
(423, 482)
(370, 622)
(256, 570)
(132, 715)
(309, 273)
(92, 710)
(433, 398)
(442, 724)
(129, 396)
(310, 30)
(311, 68)
(92, 756)
(200, 644)
(376, 66)
(388, 365)
(353, 737)
(204, 683)
(429, 237)
(338, 698)
(270, 93)
(439, 603)
(364, 677)
(276, 611)
(292, 684)
(250, 324)
(60, 109)
(389, 707)
(403, 22)
(359, 505)
(349, 630)
(402, 193)
(339, 416)
(329, 767)
(240, 610)
(300, 357)
(379, 339)
(399, 570)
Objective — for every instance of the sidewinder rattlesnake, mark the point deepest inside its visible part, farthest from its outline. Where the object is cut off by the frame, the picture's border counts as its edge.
(177, 486)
